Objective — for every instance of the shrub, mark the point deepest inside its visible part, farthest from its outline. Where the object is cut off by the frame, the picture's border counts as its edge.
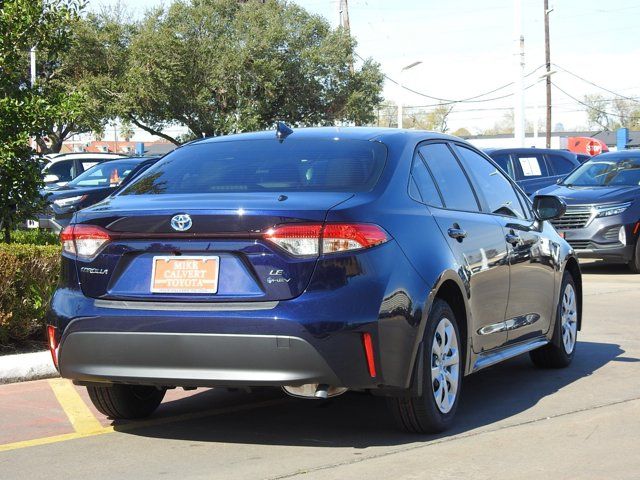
(34, 237)
(28, 276)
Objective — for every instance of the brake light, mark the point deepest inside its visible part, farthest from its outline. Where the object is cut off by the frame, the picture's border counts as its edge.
(85, 241)
(305, 239)
(338, 237)
(52, 340)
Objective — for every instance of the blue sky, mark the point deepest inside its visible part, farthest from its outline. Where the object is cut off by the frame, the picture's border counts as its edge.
(467, 48)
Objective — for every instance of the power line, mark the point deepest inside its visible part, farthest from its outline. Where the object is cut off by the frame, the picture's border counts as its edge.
(591, 106)
(594, 84)
(447, 101)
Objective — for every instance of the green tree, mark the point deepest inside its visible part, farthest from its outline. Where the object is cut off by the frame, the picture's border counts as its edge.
(223, 66)
(126, 130)
(504, 125)
(433, 120)
(92, 67)
(25, 110)
(462, 132)
(611, 114)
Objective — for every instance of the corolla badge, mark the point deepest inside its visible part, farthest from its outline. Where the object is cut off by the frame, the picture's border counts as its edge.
(181, 223)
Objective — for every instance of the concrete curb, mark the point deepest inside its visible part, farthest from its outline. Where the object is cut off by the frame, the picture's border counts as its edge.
(26, 366)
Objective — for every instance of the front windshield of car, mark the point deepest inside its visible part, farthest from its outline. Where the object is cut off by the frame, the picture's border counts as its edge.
(106, 174)
(604, 172)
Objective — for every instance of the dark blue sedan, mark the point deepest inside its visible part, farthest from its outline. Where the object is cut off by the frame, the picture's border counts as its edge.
(535, 168)
(316, 260)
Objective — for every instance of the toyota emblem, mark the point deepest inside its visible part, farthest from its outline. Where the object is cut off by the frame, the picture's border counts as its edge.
(181, 223)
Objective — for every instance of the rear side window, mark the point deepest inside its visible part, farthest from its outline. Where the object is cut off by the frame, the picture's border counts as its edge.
(450, 178)
(559, 164)
(531, 166)
(504, 160)
(498, 192)
(424, 183)
(265, 165)
(63, 169)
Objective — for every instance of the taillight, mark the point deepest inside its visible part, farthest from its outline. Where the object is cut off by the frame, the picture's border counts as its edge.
(85, 241)
(52, 340)
(338, 237)
(305, 239)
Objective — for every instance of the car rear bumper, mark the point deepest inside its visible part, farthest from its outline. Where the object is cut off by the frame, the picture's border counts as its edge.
(179, 359)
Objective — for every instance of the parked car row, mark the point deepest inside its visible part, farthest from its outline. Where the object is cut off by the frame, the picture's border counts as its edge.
(602, 193)
(101, 176)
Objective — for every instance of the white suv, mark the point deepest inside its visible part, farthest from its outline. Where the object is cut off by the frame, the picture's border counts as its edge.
(61, 168)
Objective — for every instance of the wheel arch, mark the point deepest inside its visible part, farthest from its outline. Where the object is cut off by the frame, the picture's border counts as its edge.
(449, 287)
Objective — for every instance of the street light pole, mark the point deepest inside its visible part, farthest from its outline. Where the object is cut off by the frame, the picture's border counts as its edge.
(518, 107)
(401, 90)
(547, 56)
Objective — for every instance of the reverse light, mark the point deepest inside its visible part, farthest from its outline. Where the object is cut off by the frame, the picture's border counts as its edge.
(85, 241)
(52, 341)
(298, 240)
(311, 239)
(609, 210)
(67, 202)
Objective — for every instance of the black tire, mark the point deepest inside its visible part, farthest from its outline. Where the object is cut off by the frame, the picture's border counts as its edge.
(126, 401)
(421, 414)
(634, 264)
(554, 354)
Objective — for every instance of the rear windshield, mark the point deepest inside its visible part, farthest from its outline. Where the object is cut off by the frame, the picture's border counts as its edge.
(265, 165)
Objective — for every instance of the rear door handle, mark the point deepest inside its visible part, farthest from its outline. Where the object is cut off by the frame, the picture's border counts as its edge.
(457, 233)
(513, 239)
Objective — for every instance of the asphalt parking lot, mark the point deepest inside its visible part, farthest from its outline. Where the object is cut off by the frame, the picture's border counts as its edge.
(514, 421)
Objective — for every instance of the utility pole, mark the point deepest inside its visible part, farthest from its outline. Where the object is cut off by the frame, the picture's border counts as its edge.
(547, 56)
(343, 21)
(518, 107)
(343, 12)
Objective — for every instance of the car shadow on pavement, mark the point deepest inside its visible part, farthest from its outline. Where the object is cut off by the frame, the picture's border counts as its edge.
(604, 268)
(360, 420)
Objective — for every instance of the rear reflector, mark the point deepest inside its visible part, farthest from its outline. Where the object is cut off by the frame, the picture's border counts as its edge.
(368, 350)
(85, 241)
(305, 239)
(52, 340)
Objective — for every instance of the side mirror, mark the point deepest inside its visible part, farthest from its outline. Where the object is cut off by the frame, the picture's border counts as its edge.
(50, 178)
(548, 207)
(560, 180)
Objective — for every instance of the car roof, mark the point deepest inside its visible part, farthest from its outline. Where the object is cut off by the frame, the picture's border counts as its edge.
(633, 153)
(81, 155)
(527, 150)
(329, 133)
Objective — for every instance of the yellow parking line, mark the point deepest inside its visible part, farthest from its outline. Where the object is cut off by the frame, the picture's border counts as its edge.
(79, 415)
(138, 424)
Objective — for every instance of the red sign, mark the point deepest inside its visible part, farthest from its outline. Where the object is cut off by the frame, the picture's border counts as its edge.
(594, 148)
(590, 146)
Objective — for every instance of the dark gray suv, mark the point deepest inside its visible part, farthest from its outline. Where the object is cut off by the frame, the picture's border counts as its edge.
(603, 208)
